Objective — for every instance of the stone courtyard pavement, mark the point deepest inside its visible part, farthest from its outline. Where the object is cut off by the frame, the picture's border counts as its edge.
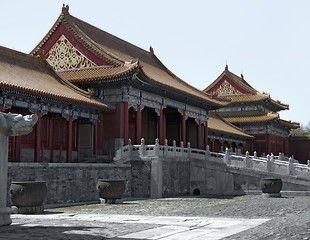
(244, 217)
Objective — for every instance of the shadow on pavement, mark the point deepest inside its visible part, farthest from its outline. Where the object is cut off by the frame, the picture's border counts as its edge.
(17, 231)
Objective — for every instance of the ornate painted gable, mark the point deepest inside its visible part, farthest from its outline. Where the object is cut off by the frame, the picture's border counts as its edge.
(225, 88)
(63, 56)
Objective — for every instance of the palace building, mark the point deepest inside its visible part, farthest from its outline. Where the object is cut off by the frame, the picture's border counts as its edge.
(65, 113)
(94, 91)
(150, 101)
(255, 112)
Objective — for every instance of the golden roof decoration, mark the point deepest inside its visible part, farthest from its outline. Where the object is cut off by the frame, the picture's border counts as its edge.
(226, 90)
(117, 51)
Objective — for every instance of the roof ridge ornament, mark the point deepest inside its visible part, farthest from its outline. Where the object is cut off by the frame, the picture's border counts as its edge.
(151, 50)
(65, 9)
(41, 54)
(226, 67)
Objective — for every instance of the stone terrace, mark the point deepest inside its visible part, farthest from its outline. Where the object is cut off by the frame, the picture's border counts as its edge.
(244, 217)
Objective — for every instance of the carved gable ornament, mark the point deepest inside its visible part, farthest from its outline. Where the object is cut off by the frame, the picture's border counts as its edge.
(63, 55)
(226, 89)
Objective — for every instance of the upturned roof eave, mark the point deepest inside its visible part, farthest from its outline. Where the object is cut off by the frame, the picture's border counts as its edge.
(242, 134)
(99, 77)
(56, 97)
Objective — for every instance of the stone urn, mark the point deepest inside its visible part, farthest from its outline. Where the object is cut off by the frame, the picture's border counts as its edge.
(271, 186)
(28, 196)
(110, 190)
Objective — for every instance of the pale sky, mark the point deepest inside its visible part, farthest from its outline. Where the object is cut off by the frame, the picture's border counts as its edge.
(266, 40)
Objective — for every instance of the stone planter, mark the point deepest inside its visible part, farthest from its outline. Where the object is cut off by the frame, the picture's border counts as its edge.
(110, 190)
(28, 197)
(271, 187)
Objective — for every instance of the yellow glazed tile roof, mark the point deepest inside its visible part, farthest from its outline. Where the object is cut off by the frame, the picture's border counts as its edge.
(33, 75)
(218, 124)
(252, 94)
(252, 119)
(99, 73)
(117, 52)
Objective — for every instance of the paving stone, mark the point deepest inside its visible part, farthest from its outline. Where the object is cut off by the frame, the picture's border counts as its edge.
(245, 217)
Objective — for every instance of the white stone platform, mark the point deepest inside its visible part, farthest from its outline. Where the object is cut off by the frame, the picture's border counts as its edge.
(136, 226)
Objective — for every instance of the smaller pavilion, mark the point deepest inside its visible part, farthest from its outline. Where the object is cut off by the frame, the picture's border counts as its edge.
(254, 112)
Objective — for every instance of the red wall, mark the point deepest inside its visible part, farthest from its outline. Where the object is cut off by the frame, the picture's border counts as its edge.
(300, 148)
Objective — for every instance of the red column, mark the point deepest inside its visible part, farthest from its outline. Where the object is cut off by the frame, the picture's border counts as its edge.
(183, 129)
(69, 143)
(160, 127)
(1, 108)
(206, 135)
(211, 147)
(138, 125)
(96, 140)
(283, 146)
(37, 138)
(268, 144)
(50, 138)
(17, 148)
(199, 135)
(126, 123)
(164, 125)
(100, 133)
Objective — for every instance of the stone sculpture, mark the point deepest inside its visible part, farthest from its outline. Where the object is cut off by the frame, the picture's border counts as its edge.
(10, 125)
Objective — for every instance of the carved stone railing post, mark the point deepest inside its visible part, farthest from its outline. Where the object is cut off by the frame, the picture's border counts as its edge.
(129, 147)
(255, 154)
(174, 144)
(189, 150)
(207, 154)
(182, 148)
(291, 167)
(156, 148)
(122, 149)
(308, 163)
(272, 160)
(142, 148)
(268, 164)
(247, 160)
(10, 125)
(281, 156)
(166, 147)
(226, 157)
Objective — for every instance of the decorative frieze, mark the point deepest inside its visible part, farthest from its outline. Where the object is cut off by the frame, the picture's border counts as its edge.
(7, 103)
(136, 97)
(173, 104)
(21, 104)
(226, 139)
(132, 105)
(150, 104)
(55, 109)
(84, 115)
(44, 107)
